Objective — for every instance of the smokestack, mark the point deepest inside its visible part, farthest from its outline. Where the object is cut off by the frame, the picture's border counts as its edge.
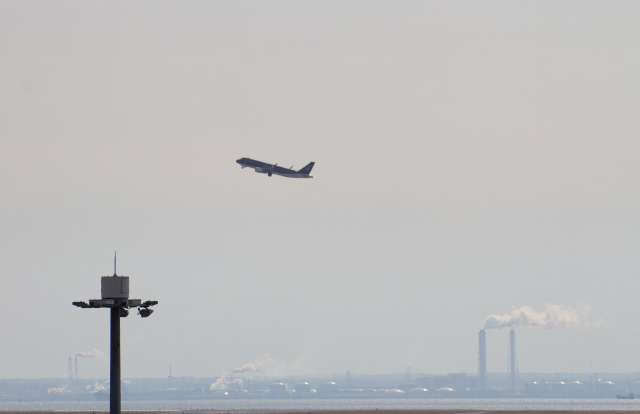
(482, 360)
(513, 362)
(69, 372)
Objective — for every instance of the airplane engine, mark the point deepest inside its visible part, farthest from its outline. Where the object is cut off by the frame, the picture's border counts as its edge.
(268, 171)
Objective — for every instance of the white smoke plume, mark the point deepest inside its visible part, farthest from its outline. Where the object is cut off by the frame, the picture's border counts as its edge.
(227, 381)
(94, 353)
(61, 390)
(265, 364)
(97, 387)
(245, 368)
(553, 317)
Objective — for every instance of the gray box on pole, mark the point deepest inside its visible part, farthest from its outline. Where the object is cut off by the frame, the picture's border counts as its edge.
(115, 287)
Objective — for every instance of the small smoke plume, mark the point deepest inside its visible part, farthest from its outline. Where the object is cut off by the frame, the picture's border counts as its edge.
(61, 390)
(98, 387)
(94, 353)
(245, 368)
(228, 382)
(264, 363)
(553, 317)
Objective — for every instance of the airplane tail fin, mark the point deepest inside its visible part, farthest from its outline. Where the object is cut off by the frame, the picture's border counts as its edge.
(307, 168)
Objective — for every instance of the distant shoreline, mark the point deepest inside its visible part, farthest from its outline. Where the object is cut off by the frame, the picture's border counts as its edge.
(358, 411)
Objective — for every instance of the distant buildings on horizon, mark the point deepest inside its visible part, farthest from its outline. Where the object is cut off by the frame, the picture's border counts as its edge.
(455, 385)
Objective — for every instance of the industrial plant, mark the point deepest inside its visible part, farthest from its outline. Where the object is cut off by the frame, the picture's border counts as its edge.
(238, 385)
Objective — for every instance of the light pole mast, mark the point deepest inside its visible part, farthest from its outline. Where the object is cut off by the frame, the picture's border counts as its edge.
(115, 295)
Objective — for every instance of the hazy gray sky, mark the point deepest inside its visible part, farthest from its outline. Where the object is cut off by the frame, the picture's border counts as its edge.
(471, 158)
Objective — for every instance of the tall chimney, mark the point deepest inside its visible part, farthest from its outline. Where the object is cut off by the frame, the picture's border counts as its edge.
(482, 360)
(69, 372)
(513, 362)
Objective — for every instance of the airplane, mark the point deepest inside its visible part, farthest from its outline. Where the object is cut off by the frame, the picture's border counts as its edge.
(270, 169)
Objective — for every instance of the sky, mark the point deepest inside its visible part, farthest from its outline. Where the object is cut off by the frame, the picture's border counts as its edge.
(475, 161)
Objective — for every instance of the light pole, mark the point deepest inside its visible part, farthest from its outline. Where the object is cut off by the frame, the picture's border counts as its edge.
(115, 295)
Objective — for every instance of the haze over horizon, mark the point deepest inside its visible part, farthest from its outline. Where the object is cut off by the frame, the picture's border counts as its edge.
(476, 163)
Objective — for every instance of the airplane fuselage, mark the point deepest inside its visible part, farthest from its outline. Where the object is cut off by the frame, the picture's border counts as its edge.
(270, 169)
